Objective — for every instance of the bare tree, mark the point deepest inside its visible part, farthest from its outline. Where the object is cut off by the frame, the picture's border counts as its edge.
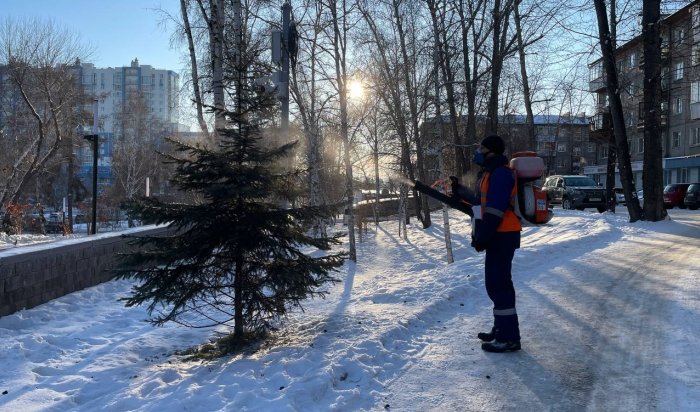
(194, 71)
(340, 26)
(41, 94)
(500, 48)
(616, 109)
(137, 136)
(310, 100)
(392, 95)
(475, 31)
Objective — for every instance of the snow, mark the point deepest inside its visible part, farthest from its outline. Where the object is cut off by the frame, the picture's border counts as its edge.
(609, 314)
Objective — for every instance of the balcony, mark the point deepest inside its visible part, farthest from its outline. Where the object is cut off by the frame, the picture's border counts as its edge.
(600, 127)
(597, 85)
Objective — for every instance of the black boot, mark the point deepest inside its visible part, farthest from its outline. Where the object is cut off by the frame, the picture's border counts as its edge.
(498, 347)
(486, 336)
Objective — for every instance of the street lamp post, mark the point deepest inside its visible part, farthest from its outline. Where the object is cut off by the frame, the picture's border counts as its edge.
(93, 138)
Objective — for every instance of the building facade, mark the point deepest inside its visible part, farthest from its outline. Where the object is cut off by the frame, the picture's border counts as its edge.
(679, 106)
(561, 140)
(111, 88)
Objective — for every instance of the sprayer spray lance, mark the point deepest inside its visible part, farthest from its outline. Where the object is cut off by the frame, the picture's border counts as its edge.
(437, 195)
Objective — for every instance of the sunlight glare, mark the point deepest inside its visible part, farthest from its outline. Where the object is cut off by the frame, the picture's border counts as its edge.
(355, 90)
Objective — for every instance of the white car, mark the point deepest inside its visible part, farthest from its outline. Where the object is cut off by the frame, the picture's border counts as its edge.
(619, 196)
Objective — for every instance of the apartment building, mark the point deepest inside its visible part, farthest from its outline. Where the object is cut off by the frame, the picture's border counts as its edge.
(111, 87)
(679, 105)
(561, 140)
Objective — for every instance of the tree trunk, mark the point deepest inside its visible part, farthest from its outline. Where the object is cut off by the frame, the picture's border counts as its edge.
(612, 147)
(199, 106)
(530, 118)
(341, 77)
(616, 106)
(652, 175)
(610, 174)
(215, 26)
(471, 76)
(421, 202)
(500, 31)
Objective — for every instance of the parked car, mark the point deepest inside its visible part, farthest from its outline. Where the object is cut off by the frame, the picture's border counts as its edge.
(619, 196)
(575, 192)
(674, 195)
(692, 196)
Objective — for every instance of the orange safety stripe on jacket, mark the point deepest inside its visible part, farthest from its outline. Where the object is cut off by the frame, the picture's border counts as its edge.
(510, 222)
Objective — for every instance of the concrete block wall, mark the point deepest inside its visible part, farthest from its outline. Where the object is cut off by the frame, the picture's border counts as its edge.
(32, 275)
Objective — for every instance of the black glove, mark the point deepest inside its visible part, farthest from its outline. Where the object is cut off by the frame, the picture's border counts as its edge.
(454, 185)
(478, 245)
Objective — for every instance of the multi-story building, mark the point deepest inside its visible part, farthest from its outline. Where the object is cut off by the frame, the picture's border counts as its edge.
(111, 88)
(561, 140)
(679, 106)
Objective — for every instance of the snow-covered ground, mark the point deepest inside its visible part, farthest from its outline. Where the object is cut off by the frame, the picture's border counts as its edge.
(609, 313)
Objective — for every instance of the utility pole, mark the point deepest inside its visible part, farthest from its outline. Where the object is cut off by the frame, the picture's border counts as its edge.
(284, 47)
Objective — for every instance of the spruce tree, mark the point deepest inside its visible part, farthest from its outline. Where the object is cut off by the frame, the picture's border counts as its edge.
(239, 257)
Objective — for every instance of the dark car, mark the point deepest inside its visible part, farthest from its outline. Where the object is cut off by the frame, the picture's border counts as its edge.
(575, 192)
(674, 195)
(54, 223)
(692, 196)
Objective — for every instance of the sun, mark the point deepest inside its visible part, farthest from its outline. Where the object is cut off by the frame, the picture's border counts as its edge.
(355, 90)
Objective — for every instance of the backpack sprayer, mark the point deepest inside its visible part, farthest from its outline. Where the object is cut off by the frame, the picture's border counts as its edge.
(532, 203)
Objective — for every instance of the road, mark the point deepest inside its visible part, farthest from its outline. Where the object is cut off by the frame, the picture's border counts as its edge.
(609, 323)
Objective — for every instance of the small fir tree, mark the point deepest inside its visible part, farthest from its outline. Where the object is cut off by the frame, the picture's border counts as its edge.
(238, 257)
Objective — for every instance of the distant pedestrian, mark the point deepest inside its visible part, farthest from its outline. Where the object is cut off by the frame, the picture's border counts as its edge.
(497, 231)
(42, 221)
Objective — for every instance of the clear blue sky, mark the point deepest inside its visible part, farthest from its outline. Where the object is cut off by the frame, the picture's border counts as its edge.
(117, 30)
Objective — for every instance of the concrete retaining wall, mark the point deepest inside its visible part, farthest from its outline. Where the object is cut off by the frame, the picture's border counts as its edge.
(32, 275)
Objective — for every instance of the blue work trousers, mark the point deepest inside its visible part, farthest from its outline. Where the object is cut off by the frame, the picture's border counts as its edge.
(499, 285)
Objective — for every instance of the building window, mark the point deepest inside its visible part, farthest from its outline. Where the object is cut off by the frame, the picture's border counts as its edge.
(676, 140)
(680, 35)
(640, 145)
(561, 147)
(561, 163)
(678, 106)
(696, 137)
(591, 147)
(695, 56)
(604, 152)
(695, 92)
(577, 151)
(633, 60)
(679, 71)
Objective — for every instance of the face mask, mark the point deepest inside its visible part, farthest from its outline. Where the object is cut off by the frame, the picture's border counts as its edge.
(479, 158)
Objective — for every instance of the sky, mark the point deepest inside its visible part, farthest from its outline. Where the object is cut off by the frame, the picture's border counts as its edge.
(609, 314)
(118, 30)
